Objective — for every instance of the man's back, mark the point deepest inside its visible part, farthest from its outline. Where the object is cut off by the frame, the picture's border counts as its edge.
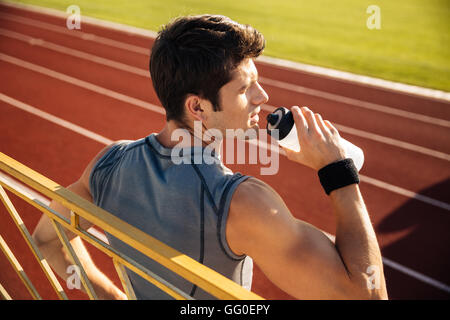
(185, 206)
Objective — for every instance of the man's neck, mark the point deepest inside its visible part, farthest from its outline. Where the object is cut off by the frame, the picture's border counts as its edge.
(164, 137)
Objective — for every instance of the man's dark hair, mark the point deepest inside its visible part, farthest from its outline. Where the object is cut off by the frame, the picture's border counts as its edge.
(197, 55)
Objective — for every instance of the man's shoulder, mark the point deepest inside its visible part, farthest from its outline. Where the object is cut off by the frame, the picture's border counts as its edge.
(254, 198)
(88, 170)
(256, 214)
(252, 189)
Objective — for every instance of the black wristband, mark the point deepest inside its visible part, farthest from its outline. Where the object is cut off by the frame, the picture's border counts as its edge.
(338, 175)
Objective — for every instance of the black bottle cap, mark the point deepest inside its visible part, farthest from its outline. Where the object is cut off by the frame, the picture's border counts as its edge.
(285, 124)
(272, 118)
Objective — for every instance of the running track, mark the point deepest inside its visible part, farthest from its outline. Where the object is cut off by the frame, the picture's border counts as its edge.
(65, 94)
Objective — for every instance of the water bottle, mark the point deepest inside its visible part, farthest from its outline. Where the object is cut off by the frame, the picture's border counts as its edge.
(283, 120)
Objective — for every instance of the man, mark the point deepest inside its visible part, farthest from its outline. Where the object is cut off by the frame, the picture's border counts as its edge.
(202, 70)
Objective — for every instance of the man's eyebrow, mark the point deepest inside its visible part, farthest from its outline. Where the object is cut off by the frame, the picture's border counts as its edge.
(254, 77)
(249, 78)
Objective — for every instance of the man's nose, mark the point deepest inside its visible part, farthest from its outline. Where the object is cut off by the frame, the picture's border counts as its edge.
(261, 96)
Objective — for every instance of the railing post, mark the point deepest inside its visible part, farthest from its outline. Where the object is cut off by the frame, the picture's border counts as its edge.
(34, 248)
(74, 220)
(73, 256)
(124, 279)
(18, 268)
(4, 294)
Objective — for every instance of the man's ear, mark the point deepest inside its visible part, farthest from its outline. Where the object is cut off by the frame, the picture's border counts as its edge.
(196, 107)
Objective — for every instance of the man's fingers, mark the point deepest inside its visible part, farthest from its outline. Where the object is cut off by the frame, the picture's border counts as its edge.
(321, 123)
(300, 121)
(331, 127)
(311, 120)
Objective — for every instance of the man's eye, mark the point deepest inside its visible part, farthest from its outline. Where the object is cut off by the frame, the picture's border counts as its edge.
(244, 89)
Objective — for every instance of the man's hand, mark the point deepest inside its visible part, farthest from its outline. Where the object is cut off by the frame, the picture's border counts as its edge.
(318, 139)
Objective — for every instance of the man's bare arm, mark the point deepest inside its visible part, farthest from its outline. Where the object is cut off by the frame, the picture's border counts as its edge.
(296, 256)
(53, 251)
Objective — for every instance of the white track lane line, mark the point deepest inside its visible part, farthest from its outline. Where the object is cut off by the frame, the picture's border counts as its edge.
(73, 52)
(152, 107)
(82, 84)
(77, 34)
(91, 135)
(405, 192)
(392, 86)
(56, 120)
(376, 83)
(280, 84)
(145, 73)
(354, 102)
(412, 273)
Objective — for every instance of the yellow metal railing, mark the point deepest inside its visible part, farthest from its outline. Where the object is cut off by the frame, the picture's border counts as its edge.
(28, 184)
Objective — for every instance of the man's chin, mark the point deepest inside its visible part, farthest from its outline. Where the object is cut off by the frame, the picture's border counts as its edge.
(252, 132)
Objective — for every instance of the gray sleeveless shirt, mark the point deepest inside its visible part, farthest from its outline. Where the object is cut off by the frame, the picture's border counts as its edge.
(183, 205)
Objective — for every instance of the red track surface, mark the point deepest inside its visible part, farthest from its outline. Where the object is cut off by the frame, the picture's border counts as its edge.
(411, 232)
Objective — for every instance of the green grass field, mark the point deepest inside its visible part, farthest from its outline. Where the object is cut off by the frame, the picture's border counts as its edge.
(412, 46)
